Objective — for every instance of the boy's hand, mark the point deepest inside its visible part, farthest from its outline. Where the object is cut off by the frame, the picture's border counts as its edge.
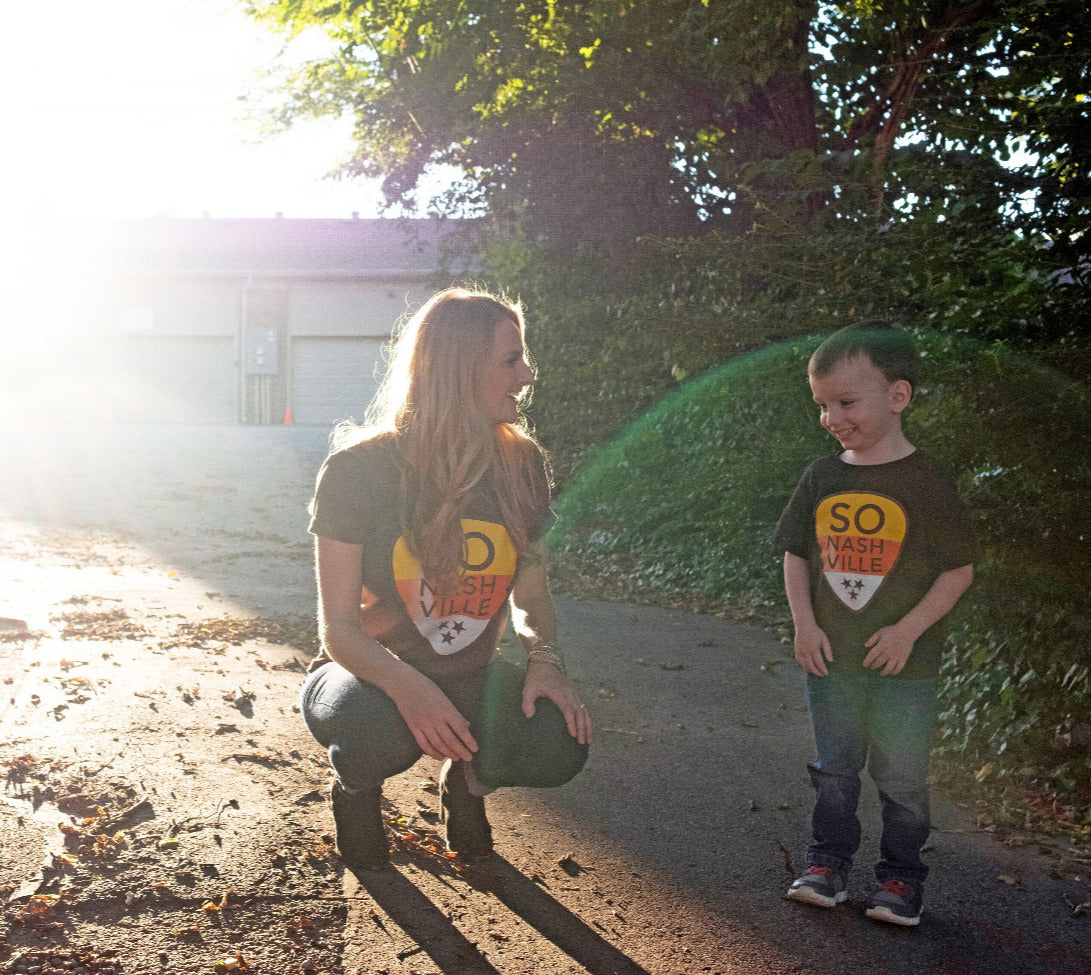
(889, 651)
(813, 650)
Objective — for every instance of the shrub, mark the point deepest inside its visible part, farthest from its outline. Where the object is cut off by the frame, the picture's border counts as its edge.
(685, 500)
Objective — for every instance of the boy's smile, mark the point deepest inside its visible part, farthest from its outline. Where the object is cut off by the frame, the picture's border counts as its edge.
(862, 409)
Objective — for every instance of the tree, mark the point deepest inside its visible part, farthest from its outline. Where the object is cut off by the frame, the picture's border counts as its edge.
(610, 119)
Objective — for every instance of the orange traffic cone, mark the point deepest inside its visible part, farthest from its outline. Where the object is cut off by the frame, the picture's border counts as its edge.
(287, 416)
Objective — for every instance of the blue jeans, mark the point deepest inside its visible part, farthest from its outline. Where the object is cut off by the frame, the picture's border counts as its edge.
(887, 724)
(368, 741)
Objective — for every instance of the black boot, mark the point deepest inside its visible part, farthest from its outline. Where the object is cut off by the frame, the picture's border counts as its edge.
(361, 837)
(463, 814)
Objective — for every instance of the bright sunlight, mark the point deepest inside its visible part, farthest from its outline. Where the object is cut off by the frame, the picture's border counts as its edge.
(129, 109)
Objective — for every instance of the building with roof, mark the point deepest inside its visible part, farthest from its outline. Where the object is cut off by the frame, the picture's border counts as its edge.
(213, 321)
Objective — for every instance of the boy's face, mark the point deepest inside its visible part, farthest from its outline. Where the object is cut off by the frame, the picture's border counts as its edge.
(860, 407)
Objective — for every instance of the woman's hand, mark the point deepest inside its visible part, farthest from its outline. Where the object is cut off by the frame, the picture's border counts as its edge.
(536, 623)
(439, 728)
(545, 680)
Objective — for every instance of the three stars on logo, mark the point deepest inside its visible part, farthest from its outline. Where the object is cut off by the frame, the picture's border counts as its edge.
(451, 630)
(853, 587)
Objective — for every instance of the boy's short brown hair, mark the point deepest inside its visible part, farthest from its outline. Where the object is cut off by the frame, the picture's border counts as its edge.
(889, 347)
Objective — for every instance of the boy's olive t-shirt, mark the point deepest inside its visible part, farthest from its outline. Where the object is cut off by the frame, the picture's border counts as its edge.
(357, 500)
(875, 537)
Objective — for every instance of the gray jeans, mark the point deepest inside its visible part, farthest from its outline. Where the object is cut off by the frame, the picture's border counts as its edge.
(368, 741)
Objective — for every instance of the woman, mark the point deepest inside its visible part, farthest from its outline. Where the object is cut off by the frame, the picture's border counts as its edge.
(429, 521)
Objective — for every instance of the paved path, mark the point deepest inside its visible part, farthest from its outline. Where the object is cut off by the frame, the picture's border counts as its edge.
(669, 855)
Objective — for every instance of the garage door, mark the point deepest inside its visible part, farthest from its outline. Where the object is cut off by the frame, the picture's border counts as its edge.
(334, 378)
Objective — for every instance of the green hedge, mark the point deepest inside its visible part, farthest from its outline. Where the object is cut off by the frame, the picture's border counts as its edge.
(685, 500)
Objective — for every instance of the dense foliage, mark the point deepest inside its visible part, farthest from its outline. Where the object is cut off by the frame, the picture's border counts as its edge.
(602, 122)
(779, 162)
(726, 451)
(610, 344)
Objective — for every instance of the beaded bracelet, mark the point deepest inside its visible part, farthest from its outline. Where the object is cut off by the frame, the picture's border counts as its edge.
(549, 653)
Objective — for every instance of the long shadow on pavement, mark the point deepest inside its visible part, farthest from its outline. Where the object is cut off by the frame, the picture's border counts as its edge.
(434, 934)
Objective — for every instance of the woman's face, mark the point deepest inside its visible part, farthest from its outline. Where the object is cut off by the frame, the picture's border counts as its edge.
(506, 375)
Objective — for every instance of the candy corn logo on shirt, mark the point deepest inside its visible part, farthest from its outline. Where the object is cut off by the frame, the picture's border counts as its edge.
(860, 537)
(875, 538)
(452, 622)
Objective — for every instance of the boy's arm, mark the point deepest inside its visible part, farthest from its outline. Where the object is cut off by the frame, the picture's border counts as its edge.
(812, 648)
(890, 647)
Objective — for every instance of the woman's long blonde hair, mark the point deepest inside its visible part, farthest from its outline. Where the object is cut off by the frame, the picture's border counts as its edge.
(427, 402)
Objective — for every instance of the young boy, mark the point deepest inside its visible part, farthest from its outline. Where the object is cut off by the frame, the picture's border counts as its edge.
(877, 550)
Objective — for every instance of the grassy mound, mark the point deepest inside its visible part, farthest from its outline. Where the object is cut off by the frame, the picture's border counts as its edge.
(685, 502)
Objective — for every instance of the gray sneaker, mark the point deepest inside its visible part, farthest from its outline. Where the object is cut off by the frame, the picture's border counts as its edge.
(897, 902)
(821, 886)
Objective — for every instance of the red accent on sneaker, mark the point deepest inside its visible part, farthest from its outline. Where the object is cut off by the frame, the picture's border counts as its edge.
(895, 887)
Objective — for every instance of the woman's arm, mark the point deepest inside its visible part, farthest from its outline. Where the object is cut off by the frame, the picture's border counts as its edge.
(535, 621)
(440, 730)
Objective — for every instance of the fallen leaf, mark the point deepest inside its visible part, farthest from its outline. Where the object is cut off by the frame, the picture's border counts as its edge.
(212, 906)
(238, 697)
(788, 867)
(1007, 879)
(303, 923)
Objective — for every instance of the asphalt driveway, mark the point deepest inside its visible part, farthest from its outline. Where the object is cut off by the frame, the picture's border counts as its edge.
(163, 807)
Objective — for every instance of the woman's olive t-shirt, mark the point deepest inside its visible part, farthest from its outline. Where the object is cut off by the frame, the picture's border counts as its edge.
(358, 500)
